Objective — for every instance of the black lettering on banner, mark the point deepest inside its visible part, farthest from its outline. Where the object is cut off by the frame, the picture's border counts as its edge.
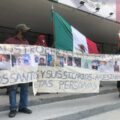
(39, 75)
(98, 77)
(54, 74)
(25, 50)
(40, 50)
(22, 77)
(72, 75)
(64, 75)
(67, 85)
(44, 83)
(50, 83)
(19, 77)
(80, 85)
(73, 85)
(32, 50)
(89, 77)
(42, 73)
(5, 79)
(61, 84)
(64, 84)
(59, 74)
(47, 50)
(34, 76)
(87, 85)
(49, 74)
(68, 75)
(106, 77)
(82, 76)
(29, 76)
(3, 49)
(25, 76)
(75, 76)
(17, 50)
(13, 78)
(78, 76)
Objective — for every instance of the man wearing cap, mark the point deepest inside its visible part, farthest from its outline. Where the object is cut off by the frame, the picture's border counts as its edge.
(19, 38)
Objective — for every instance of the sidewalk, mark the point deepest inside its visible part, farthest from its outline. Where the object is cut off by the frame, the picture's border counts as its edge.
(111, 115)
(48, 98)
(75, 109)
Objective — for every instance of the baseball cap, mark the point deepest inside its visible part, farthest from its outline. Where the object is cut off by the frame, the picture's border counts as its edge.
(22, 27)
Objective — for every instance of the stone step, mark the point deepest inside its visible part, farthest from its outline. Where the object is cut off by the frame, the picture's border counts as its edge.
(74, 109)
(49, 98)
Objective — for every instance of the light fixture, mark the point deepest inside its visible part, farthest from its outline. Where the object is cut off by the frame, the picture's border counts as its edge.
(81, 3)
(96, 9)
(110, 14)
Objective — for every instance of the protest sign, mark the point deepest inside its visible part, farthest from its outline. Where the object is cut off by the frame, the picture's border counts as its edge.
(53, 70)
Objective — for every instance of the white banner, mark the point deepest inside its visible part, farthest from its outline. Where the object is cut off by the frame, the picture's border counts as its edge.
(54, 70)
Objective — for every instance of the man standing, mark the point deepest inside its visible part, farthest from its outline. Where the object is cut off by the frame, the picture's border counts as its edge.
(19, 38)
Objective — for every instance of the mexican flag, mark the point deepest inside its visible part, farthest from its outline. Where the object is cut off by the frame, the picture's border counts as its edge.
(66, 37)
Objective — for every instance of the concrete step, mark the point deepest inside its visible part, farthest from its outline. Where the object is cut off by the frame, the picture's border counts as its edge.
(92, 106)
(75, 109)
(50, 98)
(110, 115)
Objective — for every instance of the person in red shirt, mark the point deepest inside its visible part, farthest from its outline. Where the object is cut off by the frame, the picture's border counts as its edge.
(41, 40)
(19, 38)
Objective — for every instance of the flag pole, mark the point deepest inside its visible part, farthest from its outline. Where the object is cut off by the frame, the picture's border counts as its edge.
(52, 10)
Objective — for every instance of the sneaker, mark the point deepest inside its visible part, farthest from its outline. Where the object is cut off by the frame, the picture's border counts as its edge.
(12, 113)
(25, 110)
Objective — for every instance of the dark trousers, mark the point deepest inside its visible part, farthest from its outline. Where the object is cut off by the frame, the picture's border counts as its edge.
(23, 96)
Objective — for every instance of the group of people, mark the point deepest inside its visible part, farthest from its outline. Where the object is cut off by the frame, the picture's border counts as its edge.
(19, 38)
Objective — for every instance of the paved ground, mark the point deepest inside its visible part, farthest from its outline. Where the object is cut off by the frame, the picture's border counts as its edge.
(112, 115)
(68, 106)
(75, 109)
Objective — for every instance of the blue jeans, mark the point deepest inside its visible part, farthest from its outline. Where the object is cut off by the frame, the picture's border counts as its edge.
(23, 96)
